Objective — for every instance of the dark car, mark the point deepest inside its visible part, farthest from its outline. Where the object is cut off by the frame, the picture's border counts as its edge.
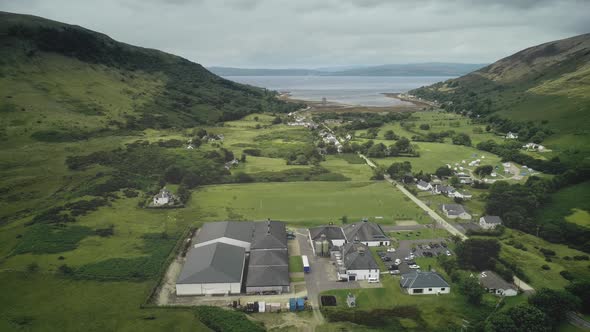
(387, 259)
(393, 267)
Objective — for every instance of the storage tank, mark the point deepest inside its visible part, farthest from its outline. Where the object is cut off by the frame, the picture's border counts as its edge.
(318, 248)
(326, 247)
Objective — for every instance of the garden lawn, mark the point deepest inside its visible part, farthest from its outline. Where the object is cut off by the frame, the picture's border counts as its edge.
(295, 264)
(571, 203)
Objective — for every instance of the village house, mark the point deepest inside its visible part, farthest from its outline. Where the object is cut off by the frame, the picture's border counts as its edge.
(418, 282)
(511, 135)
(443, 189)
(423, 185)
(490, 222)
(455, 211)
(164, 197)
(494, 284)
(357, 263)
(366, 232)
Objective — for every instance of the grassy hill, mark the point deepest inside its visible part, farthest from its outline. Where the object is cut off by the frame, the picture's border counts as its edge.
(64, 82)
(548, 84)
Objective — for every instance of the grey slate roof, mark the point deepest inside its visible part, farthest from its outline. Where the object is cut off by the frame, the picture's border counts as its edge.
(422, 183)
(269, 235)
(265, 276)
(213, 263)
(364, 231)
(331, 232)
(357, 256)
(422, 280)
(269, 257)
(489, 279)
(492, 219)
(239, 230)
(454, 209)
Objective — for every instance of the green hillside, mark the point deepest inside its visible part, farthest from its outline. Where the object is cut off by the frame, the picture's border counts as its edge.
(548, 84)
(64, 78)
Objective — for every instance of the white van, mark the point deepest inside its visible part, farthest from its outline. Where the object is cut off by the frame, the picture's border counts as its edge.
(373, 280)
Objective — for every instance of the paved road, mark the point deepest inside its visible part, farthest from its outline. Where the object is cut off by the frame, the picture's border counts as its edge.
(578, 321)
(450, 228)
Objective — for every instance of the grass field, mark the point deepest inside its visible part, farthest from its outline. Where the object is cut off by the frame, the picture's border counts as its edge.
(571, 203)
(427, 233)
(295, 264)
(305, 203)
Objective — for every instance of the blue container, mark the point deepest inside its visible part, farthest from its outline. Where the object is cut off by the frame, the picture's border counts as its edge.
(300, 304)
(292, 304)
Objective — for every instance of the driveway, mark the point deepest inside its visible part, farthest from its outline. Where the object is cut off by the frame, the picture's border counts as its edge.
(405, 249)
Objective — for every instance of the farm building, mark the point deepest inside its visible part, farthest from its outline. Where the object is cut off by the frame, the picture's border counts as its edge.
(424, 283)
(358, 263)
(237, 233)
(455, 211)
(163, 197)
(489, 222)
(216, 268)
(334, 234)
(366, 232)
(494, 284)
(262, 245)
(268, 271)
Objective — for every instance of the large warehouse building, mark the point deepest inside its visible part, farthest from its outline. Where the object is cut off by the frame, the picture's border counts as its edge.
(258, 250)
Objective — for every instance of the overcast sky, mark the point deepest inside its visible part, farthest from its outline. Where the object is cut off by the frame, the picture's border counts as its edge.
(314, 33)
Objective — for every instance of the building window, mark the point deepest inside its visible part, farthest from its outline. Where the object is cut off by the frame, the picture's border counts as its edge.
(430, 289)
(442, 289)
(417, 291)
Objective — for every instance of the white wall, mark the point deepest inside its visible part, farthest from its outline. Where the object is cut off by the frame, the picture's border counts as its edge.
(375, 243)
(428, 291)
(364, 274)
(338, 243)
(226, 240)
(203, 289)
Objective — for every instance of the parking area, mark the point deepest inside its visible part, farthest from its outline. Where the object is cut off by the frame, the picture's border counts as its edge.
(323, 272)
(409, 250)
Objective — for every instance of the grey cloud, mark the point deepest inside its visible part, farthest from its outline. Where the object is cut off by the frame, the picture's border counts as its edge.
(310, 33)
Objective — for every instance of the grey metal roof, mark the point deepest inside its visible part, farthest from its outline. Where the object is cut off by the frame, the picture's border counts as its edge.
(364, 231)
(357, 256)
(422, 280)
(269, 235)
(331, 232)
(265, 276)
(453, 209)
(213, 263)
(492, 219)
(239, 230)
(489, 279)
(423, 183)
(269, 257)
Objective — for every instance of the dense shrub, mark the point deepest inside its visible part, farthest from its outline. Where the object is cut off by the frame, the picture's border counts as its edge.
(50, 239)
(226, 320)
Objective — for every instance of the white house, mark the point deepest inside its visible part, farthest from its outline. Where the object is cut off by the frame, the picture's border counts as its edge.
(511, 135)
(533, 147)
(357, 263)
(494, 284)
(163, 197)
(460, 194)
(423, 185)
(455, 211)
(365, 232)
(415, 283)
(212, 269)
(489, 222)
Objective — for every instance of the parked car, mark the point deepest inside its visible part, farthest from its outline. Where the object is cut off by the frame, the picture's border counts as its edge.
(387, 259)
(393, 267)
(373, 280)
(397, 261)
(414, 266)
(448, 253)
(394, 272)
(390, 249)
(427, 247)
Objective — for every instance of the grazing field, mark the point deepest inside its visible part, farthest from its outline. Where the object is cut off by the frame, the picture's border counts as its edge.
(571, 203)
(305, 203)
(531, 260)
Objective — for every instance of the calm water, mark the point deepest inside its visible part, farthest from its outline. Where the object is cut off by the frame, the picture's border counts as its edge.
(353, 90)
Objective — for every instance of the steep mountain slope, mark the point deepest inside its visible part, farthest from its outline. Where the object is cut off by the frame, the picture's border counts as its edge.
(64, 78)
(549, 83)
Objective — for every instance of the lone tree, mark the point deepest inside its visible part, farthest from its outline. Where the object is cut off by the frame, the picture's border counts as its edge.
(484, 170)
(390, 135)
(470, 287)
(425, 126)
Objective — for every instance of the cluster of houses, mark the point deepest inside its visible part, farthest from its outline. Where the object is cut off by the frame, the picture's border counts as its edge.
(511, 135)
(330, 138)
(533, 147)
(443, 189)
(300, 121)
(233, 257)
